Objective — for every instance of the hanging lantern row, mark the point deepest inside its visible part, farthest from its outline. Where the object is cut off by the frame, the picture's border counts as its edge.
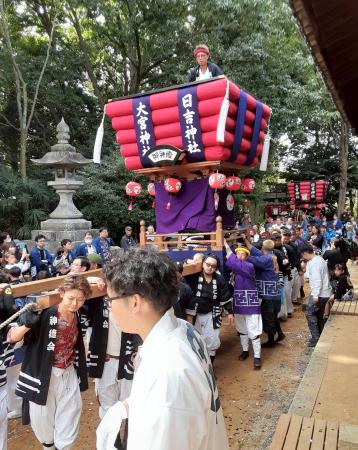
(134, 189)
(220, 181)
(308, 206)
(216, 181)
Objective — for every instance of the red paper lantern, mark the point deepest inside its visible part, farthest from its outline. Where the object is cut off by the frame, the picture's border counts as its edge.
(172, 186)
(293, 207)
(321, 205)
(217, 181)
(248, 185)
(151, 189)
(233, 183)
(133, 189)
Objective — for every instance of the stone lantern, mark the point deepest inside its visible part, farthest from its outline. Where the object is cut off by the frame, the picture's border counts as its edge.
(66, 221)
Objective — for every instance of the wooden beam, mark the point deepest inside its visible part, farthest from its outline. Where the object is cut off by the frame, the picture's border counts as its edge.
(48, 284)
(51, 296)
(184, 170)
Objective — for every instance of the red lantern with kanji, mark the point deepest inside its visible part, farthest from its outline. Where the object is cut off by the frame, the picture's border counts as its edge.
(248, 185)
(133, 189)
(233, 183)
(217, 181)
(151, 191)
(172, 186)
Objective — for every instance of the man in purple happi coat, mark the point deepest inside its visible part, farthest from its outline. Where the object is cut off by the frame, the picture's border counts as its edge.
(246, 306)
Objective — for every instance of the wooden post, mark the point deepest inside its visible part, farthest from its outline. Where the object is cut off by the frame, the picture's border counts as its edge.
(246, 225)
(343, 165)
(158, 242)
(219, 233)
(142, 237)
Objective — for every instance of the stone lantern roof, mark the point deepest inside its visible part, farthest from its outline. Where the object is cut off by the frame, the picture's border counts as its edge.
(62, 155)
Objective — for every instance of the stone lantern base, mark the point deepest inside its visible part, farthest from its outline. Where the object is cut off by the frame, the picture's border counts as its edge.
(56, 230)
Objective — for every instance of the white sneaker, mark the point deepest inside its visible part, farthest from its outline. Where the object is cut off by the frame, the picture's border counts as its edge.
(14, 414)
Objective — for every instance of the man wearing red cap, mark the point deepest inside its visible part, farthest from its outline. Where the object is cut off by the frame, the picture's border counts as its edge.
(204, 70)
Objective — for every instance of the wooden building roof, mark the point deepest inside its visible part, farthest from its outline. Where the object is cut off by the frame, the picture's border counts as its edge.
(331, 29)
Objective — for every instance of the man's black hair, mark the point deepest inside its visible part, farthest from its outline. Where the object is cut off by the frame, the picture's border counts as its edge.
(39, 236)
(145, 272)
(14, 272)
(43, 274)
(4, 277)
(102, 229)
(211, 255)
(179, 266)
(84, 262)
(306, 248)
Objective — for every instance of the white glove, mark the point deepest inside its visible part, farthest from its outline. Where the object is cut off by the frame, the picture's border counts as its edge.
(110, 425)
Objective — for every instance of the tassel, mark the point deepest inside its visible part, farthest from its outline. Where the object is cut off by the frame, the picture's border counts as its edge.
(265, 151)
(130, 207)
(220, 132)
(97, 149)
(216, 200)
(168, 205)
(153, 204)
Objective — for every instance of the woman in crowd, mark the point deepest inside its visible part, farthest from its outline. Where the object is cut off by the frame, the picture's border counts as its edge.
(317, 239)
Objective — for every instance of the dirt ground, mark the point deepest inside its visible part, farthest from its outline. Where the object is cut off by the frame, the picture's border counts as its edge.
(252, 400)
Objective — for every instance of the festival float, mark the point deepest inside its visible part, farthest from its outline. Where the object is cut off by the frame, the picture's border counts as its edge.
(194, 143)
(308, 195)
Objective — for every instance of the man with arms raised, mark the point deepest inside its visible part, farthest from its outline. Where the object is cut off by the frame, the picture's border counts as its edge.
(174, 401)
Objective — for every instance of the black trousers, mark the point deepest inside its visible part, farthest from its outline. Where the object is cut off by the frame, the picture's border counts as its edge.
(314, 315)
(269, 312)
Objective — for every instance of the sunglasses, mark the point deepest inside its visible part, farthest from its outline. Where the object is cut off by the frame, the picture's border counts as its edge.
(211, 266)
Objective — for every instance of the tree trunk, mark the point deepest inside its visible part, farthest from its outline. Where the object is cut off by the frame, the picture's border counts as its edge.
(343, 164)
(86, 58)
(351, 201)
(23, 139)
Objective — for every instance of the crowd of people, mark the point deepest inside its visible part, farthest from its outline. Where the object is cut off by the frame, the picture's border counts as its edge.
(255, 283)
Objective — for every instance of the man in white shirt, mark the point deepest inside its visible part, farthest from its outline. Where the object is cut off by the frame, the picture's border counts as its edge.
(174, 402)
(318, 277)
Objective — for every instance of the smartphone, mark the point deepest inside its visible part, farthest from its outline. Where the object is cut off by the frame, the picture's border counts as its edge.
(21, 245)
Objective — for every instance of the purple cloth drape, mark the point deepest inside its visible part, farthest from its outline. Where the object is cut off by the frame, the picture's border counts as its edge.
(192, 207)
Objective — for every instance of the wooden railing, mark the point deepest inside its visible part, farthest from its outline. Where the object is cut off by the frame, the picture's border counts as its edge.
(184, 241)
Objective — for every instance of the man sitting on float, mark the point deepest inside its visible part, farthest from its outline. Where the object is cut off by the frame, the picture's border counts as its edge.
(204, 70)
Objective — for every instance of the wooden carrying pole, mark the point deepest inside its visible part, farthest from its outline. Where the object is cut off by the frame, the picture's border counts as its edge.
(46, 295)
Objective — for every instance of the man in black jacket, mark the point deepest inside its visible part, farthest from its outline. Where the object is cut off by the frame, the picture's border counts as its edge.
(295, 263)
(185, 306)
(110, 358)
(205, 69)
(285, 257)
(54, 368)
